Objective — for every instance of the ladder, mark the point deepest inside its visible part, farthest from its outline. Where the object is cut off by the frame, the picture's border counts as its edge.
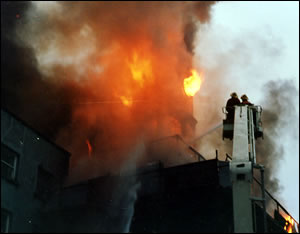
(241, 169)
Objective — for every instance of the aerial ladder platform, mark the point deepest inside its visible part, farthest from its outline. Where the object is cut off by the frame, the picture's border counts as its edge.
(244, 129)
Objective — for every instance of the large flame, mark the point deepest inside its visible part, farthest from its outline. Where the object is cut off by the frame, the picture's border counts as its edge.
(192, 84)
(289, 224)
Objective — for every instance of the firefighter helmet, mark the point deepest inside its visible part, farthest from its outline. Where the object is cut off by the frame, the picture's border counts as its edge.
(234, 95)
(244, 97)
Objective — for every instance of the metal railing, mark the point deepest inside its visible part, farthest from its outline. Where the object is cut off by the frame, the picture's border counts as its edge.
(279, 208)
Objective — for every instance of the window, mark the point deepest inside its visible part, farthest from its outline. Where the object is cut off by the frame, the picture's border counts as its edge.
(5, 221)
(9, 159)
(45, 184)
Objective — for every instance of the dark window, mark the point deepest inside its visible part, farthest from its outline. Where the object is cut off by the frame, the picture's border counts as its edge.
(241, 176)
(5, 221)
(9, 160)
(45, 184)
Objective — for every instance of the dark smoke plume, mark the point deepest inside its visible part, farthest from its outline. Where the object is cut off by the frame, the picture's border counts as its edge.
(278, 114)
(278, 120)
(199, 12)
(23, 89)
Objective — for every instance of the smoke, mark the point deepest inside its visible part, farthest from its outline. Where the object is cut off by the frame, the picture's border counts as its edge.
(278, 117)
(125, 192)
(67, 65)
(57, 56)
(235, 63)
(210, 125)
(198, 12)
(23, 90)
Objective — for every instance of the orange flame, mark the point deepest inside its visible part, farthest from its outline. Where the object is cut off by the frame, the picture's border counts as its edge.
(192, 84)
(289, 224)
(126, 101)
(89, 147)
(141, 69)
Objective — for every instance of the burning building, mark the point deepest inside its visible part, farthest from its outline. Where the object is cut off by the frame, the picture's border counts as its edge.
(108, 76)
(110, 85)
(193, 197)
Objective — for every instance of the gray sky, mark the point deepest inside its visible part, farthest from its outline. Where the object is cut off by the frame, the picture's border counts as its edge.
(258, 42)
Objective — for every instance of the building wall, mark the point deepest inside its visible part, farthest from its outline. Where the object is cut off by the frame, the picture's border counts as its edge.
(188, 197)
(40, 170)
(195, 197)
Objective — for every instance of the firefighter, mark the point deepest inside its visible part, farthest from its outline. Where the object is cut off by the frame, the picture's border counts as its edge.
(245, 100)
(234, 100)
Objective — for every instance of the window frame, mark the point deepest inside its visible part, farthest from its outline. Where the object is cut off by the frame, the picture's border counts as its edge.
(7, 220)
(14, 167)
(39, 191)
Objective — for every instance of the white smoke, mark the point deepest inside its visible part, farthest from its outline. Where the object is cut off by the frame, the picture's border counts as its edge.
(125, 193)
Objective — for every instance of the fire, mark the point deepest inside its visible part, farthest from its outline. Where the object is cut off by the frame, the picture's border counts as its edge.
(192, 84)
(141, 69)
(126, 101)
(89, 147)
(289, 224)
(141, 73)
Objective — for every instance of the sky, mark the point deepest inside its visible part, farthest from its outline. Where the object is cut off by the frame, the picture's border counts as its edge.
(261, 42)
